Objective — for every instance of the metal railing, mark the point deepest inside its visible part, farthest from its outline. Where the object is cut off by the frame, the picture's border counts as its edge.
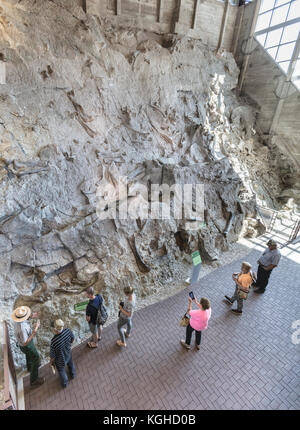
(269, 221)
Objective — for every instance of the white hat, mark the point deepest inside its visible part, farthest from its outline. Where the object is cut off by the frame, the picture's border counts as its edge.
(22, 313)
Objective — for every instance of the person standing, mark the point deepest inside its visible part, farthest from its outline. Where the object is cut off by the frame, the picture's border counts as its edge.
(125, 315)
(198, 322)
(60, 351)
(243, 281)
(91, 316)
(266, 263)
(25, 335)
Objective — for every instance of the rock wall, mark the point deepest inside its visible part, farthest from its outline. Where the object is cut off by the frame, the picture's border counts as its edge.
(85, 103)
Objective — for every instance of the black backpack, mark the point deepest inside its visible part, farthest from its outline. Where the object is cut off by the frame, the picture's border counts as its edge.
(102, 314)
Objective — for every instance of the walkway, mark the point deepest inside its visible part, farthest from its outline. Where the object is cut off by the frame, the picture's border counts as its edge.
(245, 362)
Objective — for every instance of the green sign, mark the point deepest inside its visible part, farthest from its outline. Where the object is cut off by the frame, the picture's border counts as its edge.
(196, 258)
(81, 306)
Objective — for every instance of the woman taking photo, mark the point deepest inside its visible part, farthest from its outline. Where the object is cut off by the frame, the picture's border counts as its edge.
(198, 321)
(125, 315)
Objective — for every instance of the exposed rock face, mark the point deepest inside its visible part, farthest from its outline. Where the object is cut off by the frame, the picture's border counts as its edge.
(86, 103)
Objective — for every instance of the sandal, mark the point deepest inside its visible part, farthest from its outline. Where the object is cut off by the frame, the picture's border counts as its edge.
(120, 343)
(92, 345)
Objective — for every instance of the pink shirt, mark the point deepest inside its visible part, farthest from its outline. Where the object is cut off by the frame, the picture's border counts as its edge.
(199, 319)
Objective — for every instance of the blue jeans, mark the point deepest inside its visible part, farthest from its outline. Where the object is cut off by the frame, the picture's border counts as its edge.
(63, 374)
(121, 322)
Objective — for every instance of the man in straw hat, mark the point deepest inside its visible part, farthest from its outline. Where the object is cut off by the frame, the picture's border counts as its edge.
(243, 281)
(60, 352)
(25, 335)
(266, 263)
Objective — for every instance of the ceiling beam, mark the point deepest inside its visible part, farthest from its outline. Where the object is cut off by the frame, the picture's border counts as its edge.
(249, 46)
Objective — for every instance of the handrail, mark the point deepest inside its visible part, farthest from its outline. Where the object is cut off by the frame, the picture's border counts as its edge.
(9, 369)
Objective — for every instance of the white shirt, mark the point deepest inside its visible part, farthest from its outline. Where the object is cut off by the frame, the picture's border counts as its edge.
(22, 332)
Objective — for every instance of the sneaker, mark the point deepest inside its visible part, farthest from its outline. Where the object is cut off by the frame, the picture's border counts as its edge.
(235, 311)
(120, 343)
(229, 301)
(38, 382)
(198, 347)
(185, 344)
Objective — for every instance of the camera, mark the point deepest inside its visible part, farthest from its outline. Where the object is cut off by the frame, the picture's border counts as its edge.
(121, 304)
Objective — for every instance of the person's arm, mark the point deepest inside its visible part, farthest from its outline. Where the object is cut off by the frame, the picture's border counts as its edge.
(37, 324)
(270, 267)
(128, 314)
(190, 305)
(87, 314)
(52, 355)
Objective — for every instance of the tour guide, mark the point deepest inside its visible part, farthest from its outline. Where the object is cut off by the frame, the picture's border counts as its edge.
(25, 336)
(266, 263)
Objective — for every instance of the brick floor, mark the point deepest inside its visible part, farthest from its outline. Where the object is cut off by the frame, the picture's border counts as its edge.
(245, 362)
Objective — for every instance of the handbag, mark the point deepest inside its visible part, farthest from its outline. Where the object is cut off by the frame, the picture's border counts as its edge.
(185, 320)
(243, 294)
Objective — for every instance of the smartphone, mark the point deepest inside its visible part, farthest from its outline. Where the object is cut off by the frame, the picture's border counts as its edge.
(191, 294)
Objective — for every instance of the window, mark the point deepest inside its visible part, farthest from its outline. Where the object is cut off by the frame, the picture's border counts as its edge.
(277, 30)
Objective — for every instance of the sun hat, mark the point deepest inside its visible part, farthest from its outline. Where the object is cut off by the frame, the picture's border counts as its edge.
(22, 313)
(59, 325)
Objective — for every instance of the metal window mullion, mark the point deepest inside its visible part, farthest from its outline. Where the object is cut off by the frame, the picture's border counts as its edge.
(276, 7)
(279, 44)
(285, 43)
(275, 27)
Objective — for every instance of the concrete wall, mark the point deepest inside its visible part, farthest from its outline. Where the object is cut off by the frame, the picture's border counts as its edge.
(195, 18)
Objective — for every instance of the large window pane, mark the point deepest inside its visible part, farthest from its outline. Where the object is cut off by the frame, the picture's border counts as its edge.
(266, 5)
(285, 66)
(279, 15)
(261, 38)
(297, 69)
(263, 21)
(273, 38)
(285, 52)
(272, 52)
(290, 33)
(294, 10)
(281, 2)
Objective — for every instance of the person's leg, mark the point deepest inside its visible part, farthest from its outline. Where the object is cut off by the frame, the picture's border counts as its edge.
(262, 279)
(63, 377)
(33, 361)
(240, 304)
(93, 330)
(235, 295)
(129, 327)
(71, 367)
(99, 332)
(198, 337)
(189, 331)
(121, 323)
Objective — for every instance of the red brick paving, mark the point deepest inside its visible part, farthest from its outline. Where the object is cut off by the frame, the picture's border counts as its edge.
(245, 362)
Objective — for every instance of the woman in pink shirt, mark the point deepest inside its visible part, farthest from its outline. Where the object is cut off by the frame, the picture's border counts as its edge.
(198, 321)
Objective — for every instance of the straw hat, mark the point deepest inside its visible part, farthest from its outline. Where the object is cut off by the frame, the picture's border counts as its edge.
(59, 325)
(22, 313)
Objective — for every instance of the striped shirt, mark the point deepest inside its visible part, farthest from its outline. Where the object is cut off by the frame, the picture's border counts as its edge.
(60, 348)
